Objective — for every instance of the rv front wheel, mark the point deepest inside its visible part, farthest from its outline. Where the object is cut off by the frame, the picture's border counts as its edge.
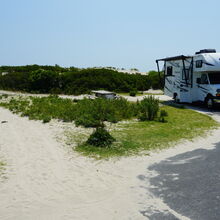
(209, 102)
(175, 97)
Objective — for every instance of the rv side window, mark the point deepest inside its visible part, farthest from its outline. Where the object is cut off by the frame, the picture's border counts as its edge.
(185, 74)
(204, 79)
(169, 71)
(198, 63)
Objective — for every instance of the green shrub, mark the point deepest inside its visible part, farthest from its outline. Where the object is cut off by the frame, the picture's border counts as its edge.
(148, 108)
(92, 113)
(87, 120)
(163, 114)
(46, 119)
(56, 91)
(86, 112)
(133, 93)
(155, 80)
(56, 79)
(100, 138)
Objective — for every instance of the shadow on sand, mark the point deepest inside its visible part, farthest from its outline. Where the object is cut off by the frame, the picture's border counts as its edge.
(188, 183)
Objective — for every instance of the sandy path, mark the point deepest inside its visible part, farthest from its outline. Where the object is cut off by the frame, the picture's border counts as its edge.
(45, 183)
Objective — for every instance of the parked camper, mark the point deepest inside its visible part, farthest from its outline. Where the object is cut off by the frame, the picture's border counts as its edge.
(193, 78)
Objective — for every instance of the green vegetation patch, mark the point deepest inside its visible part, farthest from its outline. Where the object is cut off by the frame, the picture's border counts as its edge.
(129, 93)
(137, 137)
(44, 108)
(125, 137)
(86, 112)
(60, 80)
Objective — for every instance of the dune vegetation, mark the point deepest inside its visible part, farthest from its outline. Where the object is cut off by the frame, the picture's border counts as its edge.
(137, 137)
(72, 80)
(133, 127)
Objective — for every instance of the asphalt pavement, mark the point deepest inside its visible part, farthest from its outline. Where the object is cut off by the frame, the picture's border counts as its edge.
(189, 183)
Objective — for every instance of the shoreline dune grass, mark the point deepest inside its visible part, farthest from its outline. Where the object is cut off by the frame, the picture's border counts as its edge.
(132, 136)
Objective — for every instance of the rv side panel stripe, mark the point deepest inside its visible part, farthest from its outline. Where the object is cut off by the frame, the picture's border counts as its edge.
(168, 89)
(202, 88)
(209, 64)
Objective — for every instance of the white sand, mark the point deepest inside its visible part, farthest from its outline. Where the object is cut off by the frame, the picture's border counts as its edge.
(154, 91)
(130, 98)
(46, 180)
(160, 97)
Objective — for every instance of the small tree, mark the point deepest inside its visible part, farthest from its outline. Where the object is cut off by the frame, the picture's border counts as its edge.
(100, 137)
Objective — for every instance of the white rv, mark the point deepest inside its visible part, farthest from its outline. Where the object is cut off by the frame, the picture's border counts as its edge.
(193, 78)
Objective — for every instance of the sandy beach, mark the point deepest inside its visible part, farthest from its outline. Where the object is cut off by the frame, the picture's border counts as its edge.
(45, 179)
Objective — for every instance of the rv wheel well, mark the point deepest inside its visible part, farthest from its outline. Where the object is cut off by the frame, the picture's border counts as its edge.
(208, 96)
(174, 95)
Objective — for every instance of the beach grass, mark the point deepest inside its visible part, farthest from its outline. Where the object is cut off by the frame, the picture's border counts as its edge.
(132, 136)
(135, 137)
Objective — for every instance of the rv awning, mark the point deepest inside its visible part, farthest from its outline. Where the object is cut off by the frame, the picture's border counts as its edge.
(181, 57)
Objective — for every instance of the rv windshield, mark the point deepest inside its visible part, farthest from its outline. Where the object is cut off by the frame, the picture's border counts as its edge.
(214, 78)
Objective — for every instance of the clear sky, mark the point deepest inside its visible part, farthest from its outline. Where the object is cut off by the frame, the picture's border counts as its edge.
(119, 33)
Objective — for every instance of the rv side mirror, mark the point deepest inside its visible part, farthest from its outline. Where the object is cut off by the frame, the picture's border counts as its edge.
(198, 80)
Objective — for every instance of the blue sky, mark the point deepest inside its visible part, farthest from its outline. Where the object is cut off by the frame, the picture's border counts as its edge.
(119, 33)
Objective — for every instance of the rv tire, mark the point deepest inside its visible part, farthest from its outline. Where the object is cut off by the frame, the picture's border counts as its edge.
(175, 97)
(209, 102)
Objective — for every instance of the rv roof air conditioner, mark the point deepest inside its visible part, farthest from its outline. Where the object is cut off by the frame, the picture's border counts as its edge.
(206, 51)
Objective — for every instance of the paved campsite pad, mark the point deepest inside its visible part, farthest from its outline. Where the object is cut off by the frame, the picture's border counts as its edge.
(189, 184)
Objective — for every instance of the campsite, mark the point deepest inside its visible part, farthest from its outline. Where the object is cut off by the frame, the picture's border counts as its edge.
(68, 156)
(47, 161)
(109, 110)
(77, 153)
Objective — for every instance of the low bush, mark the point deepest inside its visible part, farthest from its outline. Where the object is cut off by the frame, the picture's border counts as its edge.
(43, 108)
(163, 114)
(46, 119)
(92, 113)
(86, 112)
(148, 108)
(100, 138)
(87, 120)
(133, 93)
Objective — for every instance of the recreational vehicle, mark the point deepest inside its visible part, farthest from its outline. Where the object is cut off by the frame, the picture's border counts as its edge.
(193, 78)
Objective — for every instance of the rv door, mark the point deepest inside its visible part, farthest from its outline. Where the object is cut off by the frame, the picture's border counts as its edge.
(203, 87)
